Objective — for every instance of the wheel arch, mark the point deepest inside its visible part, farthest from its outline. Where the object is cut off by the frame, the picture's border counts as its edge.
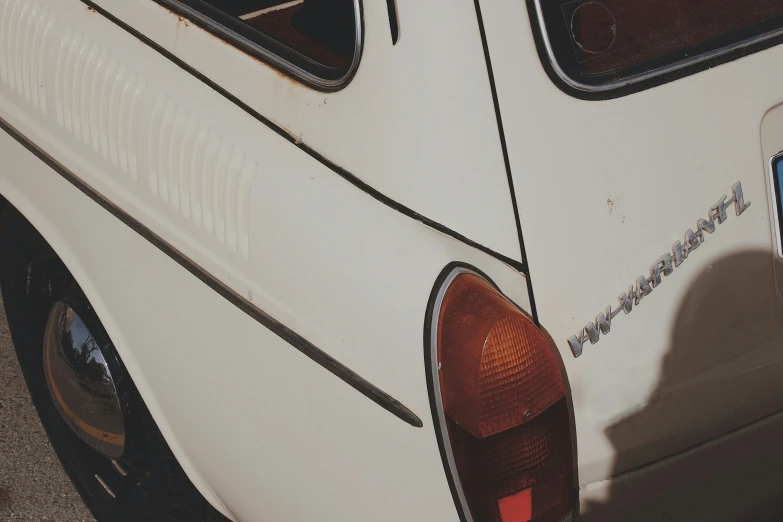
(47, 231)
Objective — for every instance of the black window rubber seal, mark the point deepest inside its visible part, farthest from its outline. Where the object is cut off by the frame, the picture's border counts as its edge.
(266, 48)
(642, 85)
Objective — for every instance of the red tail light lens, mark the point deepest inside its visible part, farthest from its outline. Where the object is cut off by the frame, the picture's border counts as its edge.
(500, 408)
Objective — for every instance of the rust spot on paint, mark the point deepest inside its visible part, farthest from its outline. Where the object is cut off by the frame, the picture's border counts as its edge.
(182, 20)
(296, 137)
(91, 9)
(278, 72)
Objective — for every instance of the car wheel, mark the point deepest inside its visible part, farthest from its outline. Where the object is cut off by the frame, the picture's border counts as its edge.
(98, 424)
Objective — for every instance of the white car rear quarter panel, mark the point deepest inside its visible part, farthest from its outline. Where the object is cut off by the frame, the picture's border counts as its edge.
(263, 431)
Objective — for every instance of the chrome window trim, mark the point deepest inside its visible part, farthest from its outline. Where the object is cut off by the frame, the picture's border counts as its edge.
(276, 60)
(633, 79)
(774, 195)
(434, 366)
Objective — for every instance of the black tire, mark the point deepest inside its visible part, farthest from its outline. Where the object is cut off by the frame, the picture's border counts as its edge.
(153, 487)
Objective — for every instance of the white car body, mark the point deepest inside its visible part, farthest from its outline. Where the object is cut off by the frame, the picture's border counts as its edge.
(329, 216)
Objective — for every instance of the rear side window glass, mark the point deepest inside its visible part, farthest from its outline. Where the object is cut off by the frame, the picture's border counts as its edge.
(315, 40)
(605, 42)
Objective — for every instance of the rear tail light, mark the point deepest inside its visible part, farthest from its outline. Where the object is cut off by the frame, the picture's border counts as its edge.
(499, 406)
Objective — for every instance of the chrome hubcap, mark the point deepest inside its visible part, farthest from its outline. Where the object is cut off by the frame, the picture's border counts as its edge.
(80, 382)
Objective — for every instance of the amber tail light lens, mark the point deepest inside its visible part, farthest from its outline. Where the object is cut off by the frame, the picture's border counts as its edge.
(499, 406)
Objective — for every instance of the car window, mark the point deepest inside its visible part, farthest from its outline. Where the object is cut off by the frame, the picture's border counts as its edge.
(316, 40)
(598, 42)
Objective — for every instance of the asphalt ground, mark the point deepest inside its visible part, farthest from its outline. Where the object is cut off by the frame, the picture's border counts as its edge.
(33, 485)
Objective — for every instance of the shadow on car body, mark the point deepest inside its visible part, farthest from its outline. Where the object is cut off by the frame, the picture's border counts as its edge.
(728, 323)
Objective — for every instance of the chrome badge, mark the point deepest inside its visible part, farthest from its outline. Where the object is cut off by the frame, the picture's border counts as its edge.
(663, 266)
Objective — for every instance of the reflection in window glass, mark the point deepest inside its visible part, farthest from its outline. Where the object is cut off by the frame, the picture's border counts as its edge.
(597, 41)
(318, 36)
